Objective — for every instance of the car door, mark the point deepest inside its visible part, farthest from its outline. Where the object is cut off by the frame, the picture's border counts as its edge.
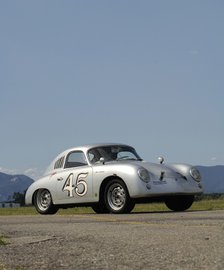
(74, 182)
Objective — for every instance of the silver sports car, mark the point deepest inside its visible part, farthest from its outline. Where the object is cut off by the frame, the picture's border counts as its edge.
(112, 178)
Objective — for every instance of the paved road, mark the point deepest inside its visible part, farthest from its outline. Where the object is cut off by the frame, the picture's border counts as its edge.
(188, 240)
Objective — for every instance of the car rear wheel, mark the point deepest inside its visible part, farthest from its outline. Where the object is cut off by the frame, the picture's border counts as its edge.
(43, 202)
(116, 197)
(179, 203)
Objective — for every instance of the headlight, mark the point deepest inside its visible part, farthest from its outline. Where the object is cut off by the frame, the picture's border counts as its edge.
(195, 174)
(143, 174)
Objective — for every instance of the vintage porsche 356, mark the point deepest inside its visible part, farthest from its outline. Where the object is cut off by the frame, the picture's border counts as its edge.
(112, 178)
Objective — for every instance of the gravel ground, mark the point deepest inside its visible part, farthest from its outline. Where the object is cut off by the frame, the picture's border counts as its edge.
(188, 240)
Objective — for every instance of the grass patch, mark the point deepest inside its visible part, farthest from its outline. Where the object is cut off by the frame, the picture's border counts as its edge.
(199, 205)
(208, 204)
(2, 267)
(2, 240)
(18, 211)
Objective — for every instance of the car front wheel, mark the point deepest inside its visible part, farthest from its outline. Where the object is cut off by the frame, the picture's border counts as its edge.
(179, 203)
(100, 209)
(116, 197)
(43, 202)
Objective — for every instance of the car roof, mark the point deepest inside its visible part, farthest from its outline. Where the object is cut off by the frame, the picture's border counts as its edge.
(86, 147)
(83, 148)
(89, 146)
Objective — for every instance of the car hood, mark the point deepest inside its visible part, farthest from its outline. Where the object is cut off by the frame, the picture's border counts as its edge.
(158, 168)
(155, 169)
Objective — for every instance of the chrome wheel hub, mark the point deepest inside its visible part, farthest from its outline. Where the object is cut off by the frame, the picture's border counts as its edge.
(116, 196)
(43, 199)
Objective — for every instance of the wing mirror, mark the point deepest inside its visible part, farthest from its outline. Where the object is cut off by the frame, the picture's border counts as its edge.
(102, 160)
(161, 160)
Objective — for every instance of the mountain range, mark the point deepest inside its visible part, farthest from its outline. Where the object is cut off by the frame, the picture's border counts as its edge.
(13, 183)
(212, 177)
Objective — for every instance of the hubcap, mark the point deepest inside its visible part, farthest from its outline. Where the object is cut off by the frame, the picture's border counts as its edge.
(116, 196)
(43, 200)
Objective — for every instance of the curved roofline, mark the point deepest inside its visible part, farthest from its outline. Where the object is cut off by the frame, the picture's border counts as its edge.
(81, 148)
(92, 145)
(89, 146)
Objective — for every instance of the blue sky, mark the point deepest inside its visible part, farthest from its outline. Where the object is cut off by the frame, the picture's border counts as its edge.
(146, 73)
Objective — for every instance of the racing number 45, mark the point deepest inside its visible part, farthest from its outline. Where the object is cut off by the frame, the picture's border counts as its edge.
(79, 187)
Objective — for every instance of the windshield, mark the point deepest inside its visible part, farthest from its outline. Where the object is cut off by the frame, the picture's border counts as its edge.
(112, 153)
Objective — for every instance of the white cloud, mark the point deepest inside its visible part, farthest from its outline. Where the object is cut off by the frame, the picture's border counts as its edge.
(33, 173)
(7, 171)
(213, 158)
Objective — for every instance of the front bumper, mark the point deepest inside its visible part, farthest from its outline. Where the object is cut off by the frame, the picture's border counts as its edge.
(167, 186)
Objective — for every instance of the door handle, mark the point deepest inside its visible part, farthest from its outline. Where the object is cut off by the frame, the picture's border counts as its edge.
(60, 179)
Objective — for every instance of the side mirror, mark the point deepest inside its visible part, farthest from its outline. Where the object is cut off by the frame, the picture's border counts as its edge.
(102, 160)
(161, 160)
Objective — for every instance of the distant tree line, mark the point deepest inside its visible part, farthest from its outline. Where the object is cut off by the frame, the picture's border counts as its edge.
(209, 196)
(18, 197)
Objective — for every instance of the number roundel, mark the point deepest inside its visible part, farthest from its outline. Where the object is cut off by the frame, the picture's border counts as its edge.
(80, 186)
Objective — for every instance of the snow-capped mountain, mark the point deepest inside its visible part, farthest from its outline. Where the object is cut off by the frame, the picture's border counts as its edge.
(13, 183)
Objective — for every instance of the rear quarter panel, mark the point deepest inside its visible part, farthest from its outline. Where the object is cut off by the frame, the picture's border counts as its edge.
(44, 183)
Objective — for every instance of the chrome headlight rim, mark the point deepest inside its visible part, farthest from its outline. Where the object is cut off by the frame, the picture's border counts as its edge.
(144, 175)
(195, 174)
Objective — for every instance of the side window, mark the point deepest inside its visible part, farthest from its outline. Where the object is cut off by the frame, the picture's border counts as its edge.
(75, 159)
(59, 163)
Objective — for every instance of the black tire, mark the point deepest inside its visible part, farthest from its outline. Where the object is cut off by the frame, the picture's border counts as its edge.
(100, 208)
(116, 197)
(179, 203)
(43, 202)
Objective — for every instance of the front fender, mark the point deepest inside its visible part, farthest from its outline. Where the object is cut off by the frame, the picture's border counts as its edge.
(184, 169)
(126, 172)
(181, 168)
